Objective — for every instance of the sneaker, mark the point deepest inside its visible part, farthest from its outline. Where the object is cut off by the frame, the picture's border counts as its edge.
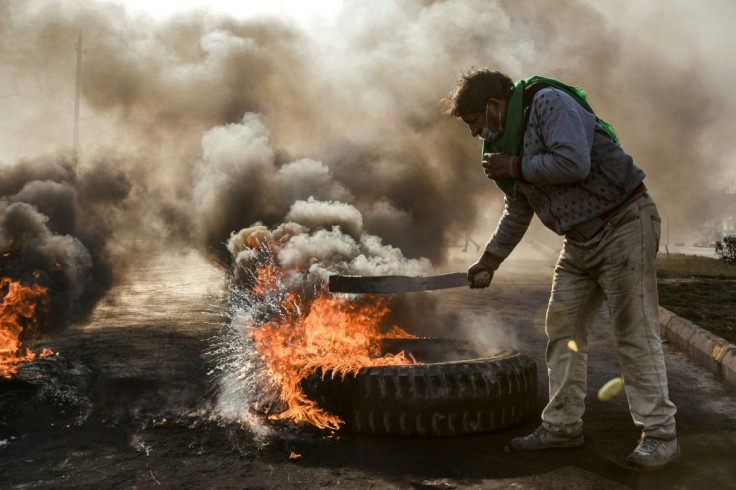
(653, 452)
(542, 439)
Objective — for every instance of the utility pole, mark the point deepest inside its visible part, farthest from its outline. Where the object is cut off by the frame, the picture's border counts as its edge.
(78, 46)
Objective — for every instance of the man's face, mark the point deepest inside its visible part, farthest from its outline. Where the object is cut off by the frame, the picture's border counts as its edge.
(494, 117)
(476, 121)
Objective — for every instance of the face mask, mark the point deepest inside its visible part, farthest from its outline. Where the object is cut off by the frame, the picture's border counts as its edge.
(491, 136)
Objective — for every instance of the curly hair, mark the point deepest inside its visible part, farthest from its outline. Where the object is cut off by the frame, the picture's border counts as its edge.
(473, 89)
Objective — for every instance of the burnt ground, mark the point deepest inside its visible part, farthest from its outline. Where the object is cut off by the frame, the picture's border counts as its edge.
(126, 405)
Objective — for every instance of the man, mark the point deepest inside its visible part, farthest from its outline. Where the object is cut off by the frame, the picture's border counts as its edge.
(550, 154)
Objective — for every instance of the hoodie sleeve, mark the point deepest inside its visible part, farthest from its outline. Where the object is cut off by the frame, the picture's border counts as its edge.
(511, 228)
(558, 140)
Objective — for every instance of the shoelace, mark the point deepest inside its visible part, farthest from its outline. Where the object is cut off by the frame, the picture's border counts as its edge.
(540, 432)
(648, 445)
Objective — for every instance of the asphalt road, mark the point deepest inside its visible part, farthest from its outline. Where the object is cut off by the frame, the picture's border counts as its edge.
(146, 419)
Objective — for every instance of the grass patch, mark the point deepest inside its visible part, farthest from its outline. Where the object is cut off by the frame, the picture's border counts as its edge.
(701, 289)
(684, 266)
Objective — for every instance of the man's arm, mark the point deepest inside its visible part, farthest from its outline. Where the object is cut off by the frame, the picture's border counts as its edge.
(510, 230)
(564, 131)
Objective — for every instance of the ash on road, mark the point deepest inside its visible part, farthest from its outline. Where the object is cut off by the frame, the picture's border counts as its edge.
(141, 415)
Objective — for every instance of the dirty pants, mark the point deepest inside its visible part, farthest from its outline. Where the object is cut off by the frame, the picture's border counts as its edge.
(618, 265)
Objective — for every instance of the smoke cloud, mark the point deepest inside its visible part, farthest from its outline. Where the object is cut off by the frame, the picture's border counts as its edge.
(53, 231)
(199, 125)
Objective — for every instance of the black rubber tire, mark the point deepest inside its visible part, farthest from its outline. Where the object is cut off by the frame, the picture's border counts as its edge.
(437, 398)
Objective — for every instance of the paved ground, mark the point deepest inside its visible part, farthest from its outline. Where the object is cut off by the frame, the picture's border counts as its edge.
(145, 424)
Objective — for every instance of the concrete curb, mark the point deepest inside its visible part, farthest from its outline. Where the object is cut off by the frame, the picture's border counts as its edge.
(701, 346)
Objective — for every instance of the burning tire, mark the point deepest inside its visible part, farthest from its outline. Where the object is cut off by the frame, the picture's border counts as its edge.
(455, 391)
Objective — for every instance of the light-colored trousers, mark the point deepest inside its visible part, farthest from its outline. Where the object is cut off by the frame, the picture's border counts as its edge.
(618, 265)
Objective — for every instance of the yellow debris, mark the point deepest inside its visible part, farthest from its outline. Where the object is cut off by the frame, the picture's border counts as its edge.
(609, 390)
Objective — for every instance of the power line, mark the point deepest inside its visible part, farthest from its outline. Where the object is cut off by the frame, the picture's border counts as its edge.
(28, 40)
(22, 94)
(33, 51)
(31, 55)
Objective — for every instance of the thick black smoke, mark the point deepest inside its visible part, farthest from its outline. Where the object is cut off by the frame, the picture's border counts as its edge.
(54, 230)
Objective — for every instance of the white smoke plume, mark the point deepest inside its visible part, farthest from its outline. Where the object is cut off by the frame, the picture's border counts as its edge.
(311, 243)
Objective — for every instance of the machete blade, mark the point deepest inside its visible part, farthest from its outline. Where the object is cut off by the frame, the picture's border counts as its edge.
(395, 284)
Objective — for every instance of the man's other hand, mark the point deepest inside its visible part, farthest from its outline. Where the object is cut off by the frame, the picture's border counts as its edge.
(496, 165)
(480, 275)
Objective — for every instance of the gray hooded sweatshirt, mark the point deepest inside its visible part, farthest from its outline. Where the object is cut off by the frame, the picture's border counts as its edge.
(573, 175)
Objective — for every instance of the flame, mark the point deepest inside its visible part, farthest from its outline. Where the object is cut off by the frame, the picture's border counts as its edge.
(324, 332)
(21, 311)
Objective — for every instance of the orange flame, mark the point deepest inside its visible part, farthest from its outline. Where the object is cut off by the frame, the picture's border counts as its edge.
(327, 332)
(20, 311)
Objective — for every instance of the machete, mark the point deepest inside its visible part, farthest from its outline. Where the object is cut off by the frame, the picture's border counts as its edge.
(395, 284)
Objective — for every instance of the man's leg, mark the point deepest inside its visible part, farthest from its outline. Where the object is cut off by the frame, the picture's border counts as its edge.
(573, 304)
(630, 285)
(574, 301)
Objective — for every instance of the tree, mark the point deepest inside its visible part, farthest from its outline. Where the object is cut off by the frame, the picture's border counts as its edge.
(726, 249)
